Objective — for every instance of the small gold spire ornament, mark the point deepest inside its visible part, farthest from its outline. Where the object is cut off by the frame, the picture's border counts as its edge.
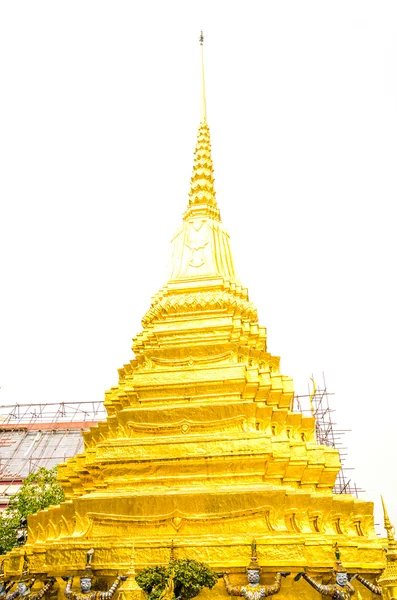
(172, 552)
(391, 542)
(339, 568)
(254, 566)
(203, 109)
(388, 580)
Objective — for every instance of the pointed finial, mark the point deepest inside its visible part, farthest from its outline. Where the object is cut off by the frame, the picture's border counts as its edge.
(203, 103)
(337, 551)
(388, 525)
(388, 578)
(253, 566)
(172, 552)
(389, 528)
(312, 396)
(339, 568)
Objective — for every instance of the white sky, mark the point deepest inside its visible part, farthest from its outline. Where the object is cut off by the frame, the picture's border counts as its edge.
(99, 110)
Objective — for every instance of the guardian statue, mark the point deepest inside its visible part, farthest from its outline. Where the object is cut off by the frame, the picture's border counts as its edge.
(254, 591)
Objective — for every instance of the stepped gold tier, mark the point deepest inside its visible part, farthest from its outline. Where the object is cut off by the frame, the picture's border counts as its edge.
(202, 447)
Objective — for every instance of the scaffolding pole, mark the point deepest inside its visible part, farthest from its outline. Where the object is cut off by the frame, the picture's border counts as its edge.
(326, 433)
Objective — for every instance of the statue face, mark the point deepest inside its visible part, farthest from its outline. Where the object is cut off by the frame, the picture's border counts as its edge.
(22, 588)
(253, 577)
(341, 579)
(85, 584)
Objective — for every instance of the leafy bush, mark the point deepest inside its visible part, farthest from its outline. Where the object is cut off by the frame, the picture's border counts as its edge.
(8, 531)
(190, 576)
(39, 490)
(153, 580)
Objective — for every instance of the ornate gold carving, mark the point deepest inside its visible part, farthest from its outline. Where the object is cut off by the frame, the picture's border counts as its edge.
(201, 301)
(177, 516)
(188, 426)
(197, 360)
(177, 522)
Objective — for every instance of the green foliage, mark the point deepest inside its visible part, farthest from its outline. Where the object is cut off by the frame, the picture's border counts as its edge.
(39, 490)
(8, 528)
(190, 576)
(152, 580)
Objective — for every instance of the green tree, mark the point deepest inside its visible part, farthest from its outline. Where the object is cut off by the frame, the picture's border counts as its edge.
(190, 576)
(152, 580)
(39, 490)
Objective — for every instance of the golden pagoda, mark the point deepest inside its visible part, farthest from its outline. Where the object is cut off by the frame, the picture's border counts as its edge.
(202, 450)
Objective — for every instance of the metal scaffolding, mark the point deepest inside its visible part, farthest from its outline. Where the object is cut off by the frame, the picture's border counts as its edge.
(53, 412)
(326, 432)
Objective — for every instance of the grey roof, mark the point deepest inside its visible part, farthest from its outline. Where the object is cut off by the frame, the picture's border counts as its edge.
(23, 452)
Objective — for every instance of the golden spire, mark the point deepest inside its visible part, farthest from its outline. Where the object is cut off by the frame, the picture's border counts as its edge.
(202, 200)
(172, 552)
(253, 566)
(391, 542)
(203, 103)
(388, 579)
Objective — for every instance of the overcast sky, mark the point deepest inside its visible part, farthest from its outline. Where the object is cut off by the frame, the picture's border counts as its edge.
(99, 109)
